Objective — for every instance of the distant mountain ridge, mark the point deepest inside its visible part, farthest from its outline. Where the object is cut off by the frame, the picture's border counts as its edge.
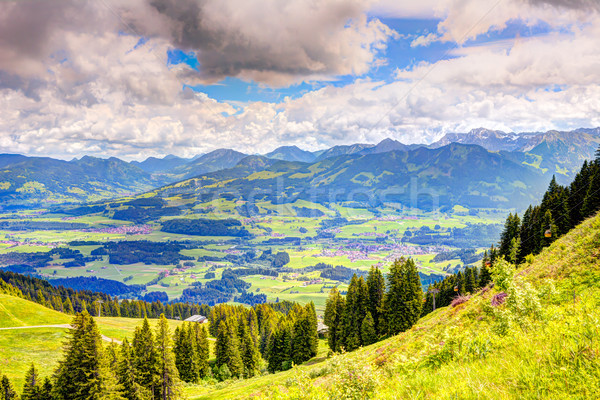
(30, 180)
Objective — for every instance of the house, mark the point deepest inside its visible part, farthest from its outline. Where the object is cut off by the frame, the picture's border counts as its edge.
(201, 319)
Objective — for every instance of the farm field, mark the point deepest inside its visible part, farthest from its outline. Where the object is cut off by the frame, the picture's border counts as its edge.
(350, 239)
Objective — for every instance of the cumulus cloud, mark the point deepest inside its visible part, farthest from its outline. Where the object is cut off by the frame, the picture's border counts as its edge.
(81, 82)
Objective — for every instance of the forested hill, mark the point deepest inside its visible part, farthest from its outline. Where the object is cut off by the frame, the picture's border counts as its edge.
(454, 174)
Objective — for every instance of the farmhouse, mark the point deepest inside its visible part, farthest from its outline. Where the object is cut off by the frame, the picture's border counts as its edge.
(201, 319)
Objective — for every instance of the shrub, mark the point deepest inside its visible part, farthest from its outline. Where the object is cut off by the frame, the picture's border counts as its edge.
(459, 300)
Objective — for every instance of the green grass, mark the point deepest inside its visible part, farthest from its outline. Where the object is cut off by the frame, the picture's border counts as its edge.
(43, 346)
(475, 351)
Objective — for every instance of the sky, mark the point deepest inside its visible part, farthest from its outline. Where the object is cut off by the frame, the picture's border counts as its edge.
(154, 77)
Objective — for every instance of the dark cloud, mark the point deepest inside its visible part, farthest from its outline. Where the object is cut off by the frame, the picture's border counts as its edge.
(276, 41)
(571, 4)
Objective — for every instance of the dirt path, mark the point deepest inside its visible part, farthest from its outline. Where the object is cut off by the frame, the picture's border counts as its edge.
(63, 326)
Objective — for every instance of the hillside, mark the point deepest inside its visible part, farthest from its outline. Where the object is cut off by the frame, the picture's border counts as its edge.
(454, 174)
(542, 342)
(31, 180)
(36, 334)
(214, 161)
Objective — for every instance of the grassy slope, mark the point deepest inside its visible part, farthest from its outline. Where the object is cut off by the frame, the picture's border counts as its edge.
(531, 350)
(43, 346)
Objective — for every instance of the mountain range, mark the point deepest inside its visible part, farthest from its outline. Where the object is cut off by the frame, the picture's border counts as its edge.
(36, 180)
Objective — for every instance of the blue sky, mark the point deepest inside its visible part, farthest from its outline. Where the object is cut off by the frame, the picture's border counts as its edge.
(399, 55)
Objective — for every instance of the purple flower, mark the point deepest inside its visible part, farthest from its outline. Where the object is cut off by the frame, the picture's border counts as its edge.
(499, 299)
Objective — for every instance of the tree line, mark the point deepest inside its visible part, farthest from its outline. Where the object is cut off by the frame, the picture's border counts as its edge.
(278, 334)
(562, 208)
(71, 301)
(374, 308)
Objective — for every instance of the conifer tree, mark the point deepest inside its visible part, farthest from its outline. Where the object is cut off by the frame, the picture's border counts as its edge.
(354, 312)
(279, 348)
(227, 348)
(304, 335)
(591, 202)
(126, 375)
(249, 352)
(169, 385)
(201, 351)
(511, 231)
(367, 330)
(184, 349)
(83, 373)
(46, 389)
(32, 385)
(7, 392)
(68, 306)
(376, 286)
(404, 298)
(145, 357)
(334, 311)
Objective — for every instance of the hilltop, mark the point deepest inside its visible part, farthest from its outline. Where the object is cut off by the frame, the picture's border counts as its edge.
(541, 342)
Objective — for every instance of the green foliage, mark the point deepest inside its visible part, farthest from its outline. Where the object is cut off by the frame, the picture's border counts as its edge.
(367, 330)
(83, 374)
(404, 297)
(334, 311)
(145, 357)
(376, 287)
(168, 383)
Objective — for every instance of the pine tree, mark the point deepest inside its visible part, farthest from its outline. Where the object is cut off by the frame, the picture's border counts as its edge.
(145, 357)
(46, 389)
(169, 385)
(279, 348)
(591, 202)
(357, 300)
(511, 231)
(227, 348)
(334, 311)
(202, 350)
(376, 286)
(304, 336)
(32, 385)
(404, 298)
(250, 354)
(68, 306)
(184, 349)
(367, 330)
(83, 373)
(126, 375)
(7, 392)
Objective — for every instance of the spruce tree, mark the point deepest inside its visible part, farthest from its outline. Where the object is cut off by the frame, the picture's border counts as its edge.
(250, 354)
(184, 348)
(83, 373)
(126, 375)
(46, 389)
(334, 311)
(169, 385)
(404, 298)
(356, 308)
(591, 202)
(68, 307)
(227, 348)
(279, 348)
(367, 330)
(512, 228)
(145, 357)
(7, 392)
(32, 385)
(376, 286)
(201, 351)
